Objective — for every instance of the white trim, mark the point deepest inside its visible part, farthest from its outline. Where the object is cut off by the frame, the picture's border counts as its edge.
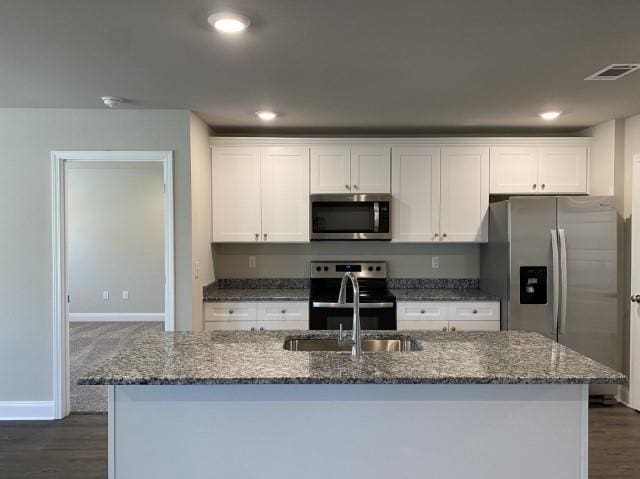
(400, 141)
(59, 312)
(634, 328)
(26, 410)
(116, 317)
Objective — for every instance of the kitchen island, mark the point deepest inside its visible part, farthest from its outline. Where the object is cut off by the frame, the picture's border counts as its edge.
(238, 405)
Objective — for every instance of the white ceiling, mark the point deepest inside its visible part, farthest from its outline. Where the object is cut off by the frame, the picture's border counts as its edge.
(326, 65)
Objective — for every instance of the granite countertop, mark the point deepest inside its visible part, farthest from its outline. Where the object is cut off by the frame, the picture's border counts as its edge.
(256, 294)
(242, 357)
(442, 294)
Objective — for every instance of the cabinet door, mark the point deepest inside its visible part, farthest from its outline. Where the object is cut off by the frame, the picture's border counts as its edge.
(230, 325)
(285, 194)
(230, 312)
(405, 325)
(235, 185)
(283, 311)
(562, 169)
(330, 169)
(464, 194)
(474, 325)
(514, 170)
(370, 169)
(415, 194)
(474, 311)
(422, 311)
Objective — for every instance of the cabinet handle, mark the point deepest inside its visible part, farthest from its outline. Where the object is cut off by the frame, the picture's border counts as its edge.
(444, 235)
(265, 236)
(422, 311)
(347, 187)
(475, 311)
(261, 328)
(453, 328)
(283, 311)
(257, 236)
(542, 186)
(535, 186)
(253, 329)
(231, 311)
(444, 328)
(435, 235)
(355, 187)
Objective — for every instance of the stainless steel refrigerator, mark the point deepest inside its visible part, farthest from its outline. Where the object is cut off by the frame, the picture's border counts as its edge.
(553, 260)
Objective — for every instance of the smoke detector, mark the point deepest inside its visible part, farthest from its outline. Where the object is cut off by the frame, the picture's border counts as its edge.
(615, 71)
(112, 101)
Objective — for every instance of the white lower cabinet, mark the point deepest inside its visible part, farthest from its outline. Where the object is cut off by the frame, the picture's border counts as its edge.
(449, 316)
(260, 316)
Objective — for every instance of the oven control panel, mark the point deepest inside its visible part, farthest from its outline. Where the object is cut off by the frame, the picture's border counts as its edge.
(337, 269)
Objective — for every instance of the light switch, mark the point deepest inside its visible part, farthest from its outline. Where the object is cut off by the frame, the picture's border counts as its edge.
(435, 262)
(105, 295)
(125, 294)
(252, 261)
(196, 270)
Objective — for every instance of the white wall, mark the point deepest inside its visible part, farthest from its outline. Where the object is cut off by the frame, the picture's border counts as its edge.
(202, 262)
(115, 237)
(27, 136)
(292, 260)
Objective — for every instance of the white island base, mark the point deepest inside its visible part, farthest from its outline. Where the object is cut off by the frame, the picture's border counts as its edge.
(440, 431)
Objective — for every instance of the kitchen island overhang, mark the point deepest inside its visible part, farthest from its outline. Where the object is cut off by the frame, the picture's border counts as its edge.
(237, 404)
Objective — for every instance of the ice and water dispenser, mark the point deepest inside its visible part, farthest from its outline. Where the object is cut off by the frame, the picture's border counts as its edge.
(533, 285)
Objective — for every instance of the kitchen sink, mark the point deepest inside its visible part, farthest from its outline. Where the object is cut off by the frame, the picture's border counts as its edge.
(397, 344)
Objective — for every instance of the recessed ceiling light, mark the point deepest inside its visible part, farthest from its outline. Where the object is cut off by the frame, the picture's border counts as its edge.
(229, 22)
(112, 101)
(266, 115)
(549, 115)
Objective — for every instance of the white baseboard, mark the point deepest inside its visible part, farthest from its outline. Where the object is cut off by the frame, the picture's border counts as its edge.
(74, 317)
(26, 410)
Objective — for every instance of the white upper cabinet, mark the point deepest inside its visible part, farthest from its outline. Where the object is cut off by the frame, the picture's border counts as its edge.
(514, 170)
(464, 194)
(235, 184)
(562, 169)
(330, 169)
(415, 194)
(285, 194)
(260, 194)
(539, 170)
(350, 169)
(370, 169)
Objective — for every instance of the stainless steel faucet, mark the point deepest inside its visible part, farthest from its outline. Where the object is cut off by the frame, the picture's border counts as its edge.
(356, 340)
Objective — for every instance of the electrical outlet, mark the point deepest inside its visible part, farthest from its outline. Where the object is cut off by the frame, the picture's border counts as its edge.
(252, 262)
(105, 295)
(196, 270)
(125, 294)
(435, 262)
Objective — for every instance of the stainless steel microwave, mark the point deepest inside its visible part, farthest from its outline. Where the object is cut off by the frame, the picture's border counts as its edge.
(350, 217)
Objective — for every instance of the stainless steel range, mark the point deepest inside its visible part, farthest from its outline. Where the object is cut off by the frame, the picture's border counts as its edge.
(377, 304)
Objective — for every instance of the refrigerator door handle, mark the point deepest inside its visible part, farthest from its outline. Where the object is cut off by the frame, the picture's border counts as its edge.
(563, 280)
(556, 279)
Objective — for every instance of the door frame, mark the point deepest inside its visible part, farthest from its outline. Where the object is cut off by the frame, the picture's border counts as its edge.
(61, 363)
(634, 327)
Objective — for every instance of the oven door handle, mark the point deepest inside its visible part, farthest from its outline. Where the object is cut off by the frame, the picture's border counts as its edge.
(320, 304)
(376, 217)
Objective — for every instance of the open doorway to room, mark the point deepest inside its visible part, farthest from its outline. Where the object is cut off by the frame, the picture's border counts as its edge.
(113, 229)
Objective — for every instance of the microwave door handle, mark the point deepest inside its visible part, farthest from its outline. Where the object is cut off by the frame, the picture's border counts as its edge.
(376, 217)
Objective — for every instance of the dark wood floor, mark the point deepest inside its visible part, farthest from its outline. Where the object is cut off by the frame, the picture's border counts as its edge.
(76, 448)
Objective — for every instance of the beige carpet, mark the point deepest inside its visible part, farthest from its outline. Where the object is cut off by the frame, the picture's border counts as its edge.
(90, 344)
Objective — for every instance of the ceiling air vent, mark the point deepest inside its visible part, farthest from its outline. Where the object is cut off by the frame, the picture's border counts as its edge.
(615, 71)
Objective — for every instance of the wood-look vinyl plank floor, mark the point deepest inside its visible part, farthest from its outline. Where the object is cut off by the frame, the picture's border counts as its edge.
(76, 447)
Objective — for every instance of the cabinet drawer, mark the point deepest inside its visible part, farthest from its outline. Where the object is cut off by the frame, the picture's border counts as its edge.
(230, 312)
(283, 311)
(230, 325)
(421, 325)
(478, 311)
(432, 311)
(474, 325)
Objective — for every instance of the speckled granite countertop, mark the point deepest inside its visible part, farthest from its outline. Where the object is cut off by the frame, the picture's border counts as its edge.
(242, 357)
(257, 294)
(427, 294)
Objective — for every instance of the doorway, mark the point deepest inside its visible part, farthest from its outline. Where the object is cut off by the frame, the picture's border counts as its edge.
(110, 285)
